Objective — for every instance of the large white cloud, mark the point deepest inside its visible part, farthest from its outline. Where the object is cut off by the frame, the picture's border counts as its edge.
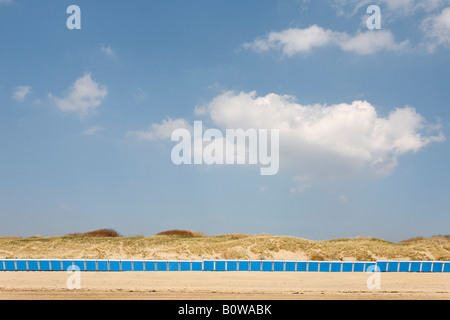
(295, 40)
(316, 141)
(323, 141)
(83, 98)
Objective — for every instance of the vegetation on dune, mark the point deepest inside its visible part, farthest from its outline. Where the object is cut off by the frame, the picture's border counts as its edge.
(103, 233)
(181, 233)
(191, 245)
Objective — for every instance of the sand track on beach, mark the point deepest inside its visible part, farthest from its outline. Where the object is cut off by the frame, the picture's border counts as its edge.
(222, 286)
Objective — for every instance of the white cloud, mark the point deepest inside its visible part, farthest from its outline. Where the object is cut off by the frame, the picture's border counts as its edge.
(343, 198)
(91, 131)
(321, 141)
(437, 30)
(369, 42)
(294, 40)
(21, 92)
(161, 131)
(84, 97)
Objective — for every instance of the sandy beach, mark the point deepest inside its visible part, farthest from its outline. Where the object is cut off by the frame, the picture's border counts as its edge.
(221, 286)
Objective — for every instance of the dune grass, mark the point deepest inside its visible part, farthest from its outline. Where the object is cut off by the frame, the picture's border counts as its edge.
(190, 245)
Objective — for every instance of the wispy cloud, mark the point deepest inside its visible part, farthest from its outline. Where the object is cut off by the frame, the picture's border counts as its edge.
(65, 207)
(139, 94)
(91, 131)
(437, 30)
(161, 131)
(107, 50)
(21, 92)
(302, 183)
(300, 189)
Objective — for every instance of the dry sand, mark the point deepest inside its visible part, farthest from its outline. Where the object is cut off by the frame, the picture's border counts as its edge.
(222, 286)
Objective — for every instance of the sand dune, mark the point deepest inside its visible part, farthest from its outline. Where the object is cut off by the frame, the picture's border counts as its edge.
(222, 285)
(235, 246)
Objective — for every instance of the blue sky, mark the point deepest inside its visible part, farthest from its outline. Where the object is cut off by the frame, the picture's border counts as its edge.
(85, 116)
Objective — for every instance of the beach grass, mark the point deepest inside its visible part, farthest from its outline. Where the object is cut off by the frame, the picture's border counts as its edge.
(198, 246)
